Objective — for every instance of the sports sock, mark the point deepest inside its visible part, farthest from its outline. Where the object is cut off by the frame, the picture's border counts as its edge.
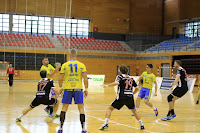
(106, 121)
(169, 113)
(51, 109)
(137, 109)
(62, 118)
(20, 116)
(140, 121)
(172, 112)
(82, 120)
(154, 108)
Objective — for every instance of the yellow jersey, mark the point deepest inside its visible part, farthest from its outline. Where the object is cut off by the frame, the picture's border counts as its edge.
(148, 79)
(73, 70)
(49, 68)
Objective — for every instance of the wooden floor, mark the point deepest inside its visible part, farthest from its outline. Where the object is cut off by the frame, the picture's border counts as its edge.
(13, 102)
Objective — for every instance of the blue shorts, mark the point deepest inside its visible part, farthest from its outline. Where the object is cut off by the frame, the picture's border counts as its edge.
(145, 93)
(77, 94)
(52, 92)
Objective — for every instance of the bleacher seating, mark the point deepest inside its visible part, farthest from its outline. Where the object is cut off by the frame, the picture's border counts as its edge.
(90, 44)
(175, 44)
(196, 45)
(27, 40)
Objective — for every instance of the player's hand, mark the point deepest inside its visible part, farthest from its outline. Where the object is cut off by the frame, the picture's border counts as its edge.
(104, 86)
(58, 66)
(85, 93)
(155, 94)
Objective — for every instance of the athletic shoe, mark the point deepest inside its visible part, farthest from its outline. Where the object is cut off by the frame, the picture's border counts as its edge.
(85, 131)
(197, 102)
(165, 118)
(18, 120)
(50, 115)
(142, 128)
(172, 116)
(132, 115)
(57, 116)
(103, 127)
(46, 110)
(156, 112)
(60, 131)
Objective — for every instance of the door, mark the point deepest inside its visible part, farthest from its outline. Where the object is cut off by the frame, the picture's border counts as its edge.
(165, 70)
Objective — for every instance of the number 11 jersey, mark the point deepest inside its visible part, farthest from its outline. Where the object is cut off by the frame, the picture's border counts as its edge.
(73, 70)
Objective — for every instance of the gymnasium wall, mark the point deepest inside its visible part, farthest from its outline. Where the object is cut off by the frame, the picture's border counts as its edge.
(145, 17)
(107, 15)
(172, 13)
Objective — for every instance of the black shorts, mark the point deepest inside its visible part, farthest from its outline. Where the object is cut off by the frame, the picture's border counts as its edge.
(180, 91)
(119, 103)
(42, 100)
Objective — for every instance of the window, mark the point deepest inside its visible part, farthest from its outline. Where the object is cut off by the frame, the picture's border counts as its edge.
(4, 22)
(71, 27)
(31, 24)
(192, 29)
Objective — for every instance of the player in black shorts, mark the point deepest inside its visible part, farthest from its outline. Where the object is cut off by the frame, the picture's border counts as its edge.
(125, 96)
(42, 96)
(179, 91)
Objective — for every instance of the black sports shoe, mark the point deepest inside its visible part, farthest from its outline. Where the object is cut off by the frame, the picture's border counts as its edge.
(197, 102)
(142, 128)
(60, 131)
(103, 127)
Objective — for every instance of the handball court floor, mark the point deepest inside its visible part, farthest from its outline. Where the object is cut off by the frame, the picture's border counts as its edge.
(23, 92)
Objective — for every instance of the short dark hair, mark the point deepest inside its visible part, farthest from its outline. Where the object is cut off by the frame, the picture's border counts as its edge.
(44, 58)
(178, 62)
(150, 65)
(123, 69)
(43, 74)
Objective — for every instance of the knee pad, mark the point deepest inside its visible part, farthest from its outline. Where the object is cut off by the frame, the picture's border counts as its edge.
(169, 98)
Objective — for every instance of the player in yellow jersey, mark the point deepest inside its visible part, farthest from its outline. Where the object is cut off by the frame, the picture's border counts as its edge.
(50, 73)
(145, 92)
(72, 72)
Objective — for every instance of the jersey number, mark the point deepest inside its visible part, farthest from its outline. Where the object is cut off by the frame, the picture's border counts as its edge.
(129, 83)
(41, 86)
(71, 67)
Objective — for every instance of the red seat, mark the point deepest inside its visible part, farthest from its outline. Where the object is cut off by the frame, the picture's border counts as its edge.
(10, 44)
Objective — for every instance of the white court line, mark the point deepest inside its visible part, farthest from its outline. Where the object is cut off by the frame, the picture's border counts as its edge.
(161, 123)
(115, 122)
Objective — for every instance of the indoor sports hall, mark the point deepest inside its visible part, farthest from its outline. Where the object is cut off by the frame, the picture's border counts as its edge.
(144, 35)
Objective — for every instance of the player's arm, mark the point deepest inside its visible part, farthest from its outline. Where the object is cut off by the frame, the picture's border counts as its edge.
(56, 91)
(111, 84)
(176, 81)
(55, 70)
(140, 78)
(156, 88)
(134, 84)
(85, 80)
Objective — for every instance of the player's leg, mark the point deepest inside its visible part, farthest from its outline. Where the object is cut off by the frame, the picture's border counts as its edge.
(78, 99)
(24, 112)
(48, 108)
(116, 104)
(198, 98)
(12, 80)
(131, 105)
(171, 100)
(140, 96)
(66, 100)
(34, 103)
(137, 116)
(147, 102)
